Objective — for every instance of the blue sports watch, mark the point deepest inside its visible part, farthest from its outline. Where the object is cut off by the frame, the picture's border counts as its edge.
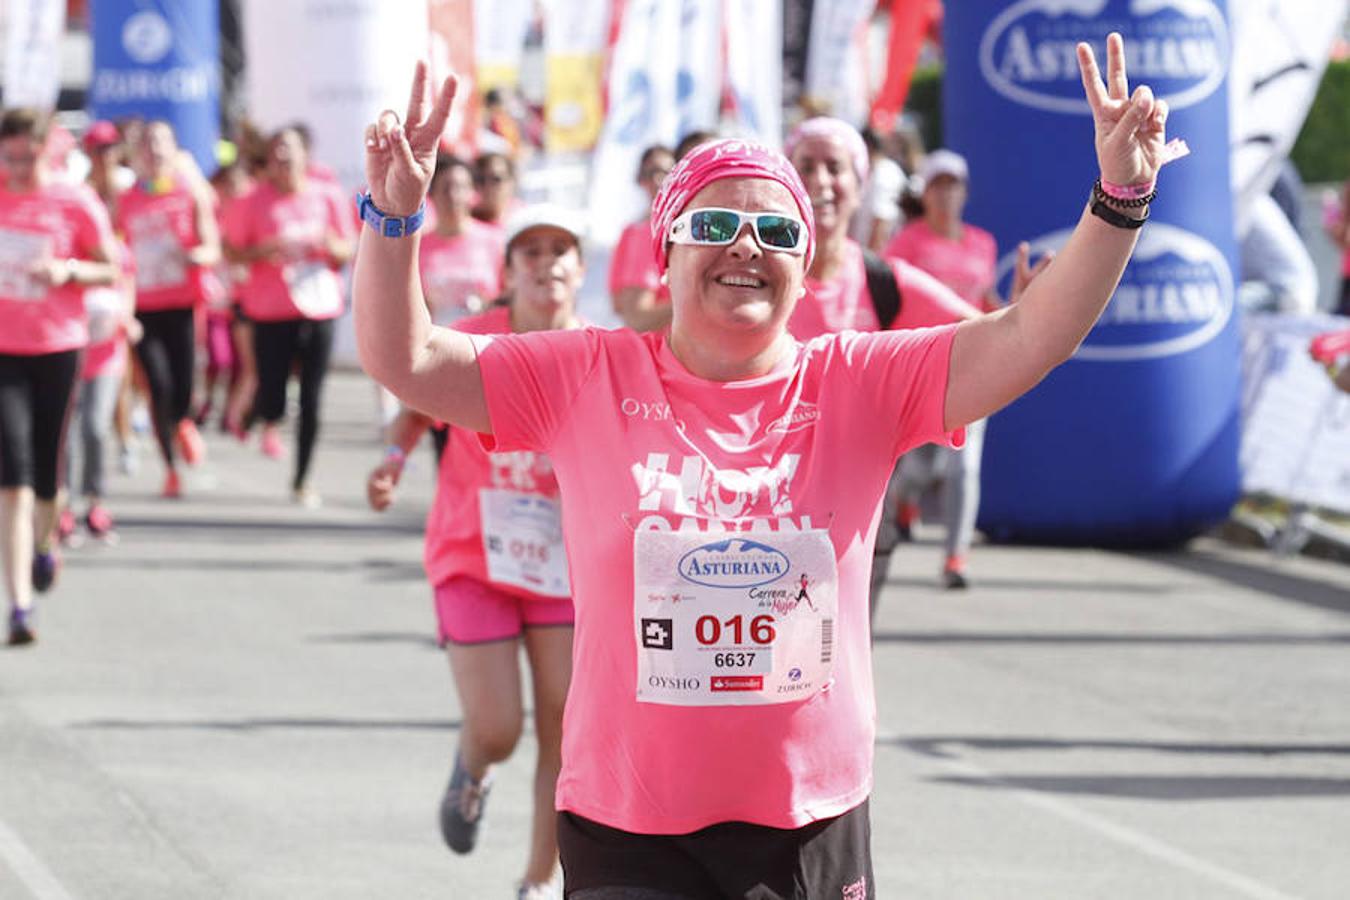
(387, 225)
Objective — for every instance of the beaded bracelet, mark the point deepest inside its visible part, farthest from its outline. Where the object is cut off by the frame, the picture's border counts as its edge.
(1099, 193)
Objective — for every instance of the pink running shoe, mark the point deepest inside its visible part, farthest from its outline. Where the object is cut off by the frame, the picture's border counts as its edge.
(190, 442)
(272, 447)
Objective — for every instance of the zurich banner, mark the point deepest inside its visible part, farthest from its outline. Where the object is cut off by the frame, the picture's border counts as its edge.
(160, 59)
(1134, 440)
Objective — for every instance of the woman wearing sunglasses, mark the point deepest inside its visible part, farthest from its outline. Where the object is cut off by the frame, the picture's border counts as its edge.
(721, 487)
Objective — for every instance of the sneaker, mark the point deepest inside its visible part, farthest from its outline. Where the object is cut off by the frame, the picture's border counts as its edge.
(45, 566)
(65, 526)
(307, 497)
(544, 891)
(190, 442)
(99, 521)
(271, 444)
(173, 486)
(954, 580)
(128, 461)
(21, 627)
(462, 808)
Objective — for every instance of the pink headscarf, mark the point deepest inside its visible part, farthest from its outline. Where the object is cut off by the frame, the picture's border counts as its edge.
(836, 129)
(714, 161)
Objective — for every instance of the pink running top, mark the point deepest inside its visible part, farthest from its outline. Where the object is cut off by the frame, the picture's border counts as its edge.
(646, 452)
(966, 265)
(455, 524)
(843, 304)
(160, 227)
(461, 275)
(634, 264)
(57, 222)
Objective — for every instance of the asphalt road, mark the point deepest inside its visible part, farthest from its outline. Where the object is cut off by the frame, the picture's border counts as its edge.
(242, 699)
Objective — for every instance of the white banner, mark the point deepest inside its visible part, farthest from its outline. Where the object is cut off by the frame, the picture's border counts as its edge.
(499, 40)
(643, 110)
(699, 76)
(33, 52)
(334, 67)
(755, 67)
(1279, 53)
(836, 76)
(1296, 423)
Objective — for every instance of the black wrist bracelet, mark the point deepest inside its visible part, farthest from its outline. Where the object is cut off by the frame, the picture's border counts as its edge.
(1099, 193)
(1114, 217)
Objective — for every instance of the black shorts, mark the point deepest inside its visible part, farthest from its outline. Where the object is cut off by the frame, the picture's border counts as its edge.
(35, 395)
(826, 860)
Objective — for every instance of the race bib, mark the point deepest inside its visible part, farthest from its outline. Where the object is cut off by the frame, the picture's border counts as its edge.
(160, 261)
(522, 540)
(19, 250)
(735, 619)
(315, 289)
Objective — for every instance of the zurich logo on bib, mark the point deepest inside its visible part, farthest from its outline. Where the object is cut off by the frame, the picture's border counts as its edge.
(1134, 440)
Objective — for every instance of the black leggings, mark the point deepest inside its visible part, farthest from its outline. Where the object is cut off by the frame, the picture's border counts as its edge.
(166, 353)
(279, 346)
(35, 395)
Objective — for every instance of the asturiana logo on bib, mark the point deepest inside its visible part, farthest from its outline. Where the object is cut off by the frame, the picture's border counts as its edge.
(735, 563)
(1176, 295)
(1180, 48)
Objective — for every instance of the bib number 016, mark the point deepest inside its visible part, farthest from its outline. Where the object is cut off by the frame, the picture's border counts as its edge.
(760, 630)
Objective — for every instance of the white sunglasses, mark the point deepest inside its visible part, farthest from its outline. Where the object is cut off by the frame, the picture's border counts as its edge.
(712, 226)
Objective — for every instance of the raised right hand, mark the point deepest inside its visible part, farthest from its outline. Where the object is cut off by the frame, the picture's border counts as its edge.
(401, 157)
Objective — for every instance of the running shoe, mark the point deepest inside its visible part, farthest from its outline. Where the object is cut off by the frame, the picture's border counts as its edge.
(190, 442)
(21, 627)
(954, 580)
(173, 486)
(46, 563)
(65, 526)
(545, 891)
(462, 808)
(271, 444)
(128, 461)
(99, 521)
(307, 498)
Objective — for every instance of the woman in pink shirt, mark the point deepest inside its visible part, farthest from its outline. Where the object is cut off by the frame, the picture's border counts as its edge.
(54, 241)
(168, 220)
(293, 234)
(495, 559)
(635, 288)
(721, 489)
(461, 258)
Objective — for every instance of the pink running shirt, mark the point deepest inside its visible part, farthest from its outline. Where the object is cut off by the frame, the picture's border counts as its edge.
(843, 304)
(637, 442)
(57, 222)
(966, 266)
(461, 275)
(454, 540)
(634, 265)
(304, 285)
(160, 227)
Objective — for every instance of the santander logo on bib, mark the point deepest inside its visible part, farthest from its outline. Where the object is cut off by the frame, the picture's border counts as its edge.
(1176, 295)
(734, 563)
(1180, 48)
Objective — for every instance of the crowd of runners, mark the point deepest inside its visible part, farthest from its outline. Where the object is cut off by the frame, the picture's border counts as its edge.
(681, 521)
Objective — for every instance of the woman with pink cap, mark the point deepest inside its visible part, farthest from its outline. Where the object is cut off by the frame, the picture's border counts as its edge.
(721, 488)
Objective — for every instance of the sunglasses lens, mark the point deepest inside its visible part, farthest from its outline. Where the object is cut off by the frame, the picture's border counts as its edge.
(779, 231)
(714, 226)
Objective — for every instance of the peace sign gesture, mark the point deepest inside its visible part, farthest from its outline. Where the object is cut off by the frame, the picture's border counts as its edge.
(401, 157)
(1130, 129)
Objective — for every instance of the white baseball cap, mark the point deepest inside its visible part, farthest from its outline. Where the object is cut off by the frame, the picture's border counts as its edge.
(545, 215)
(944, 162)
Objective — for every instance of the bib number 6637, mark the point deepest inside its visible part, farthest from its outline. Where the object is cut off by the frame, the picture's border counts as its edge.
(710, 630)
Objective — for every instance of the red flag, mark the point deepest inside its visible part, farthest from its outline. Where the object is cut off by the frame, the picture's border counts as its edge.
(911, 23)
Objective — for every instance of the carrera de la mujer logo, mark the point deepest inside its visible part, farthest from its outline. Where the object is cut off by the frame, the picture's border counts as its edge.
(1181, 48)
(734, 563)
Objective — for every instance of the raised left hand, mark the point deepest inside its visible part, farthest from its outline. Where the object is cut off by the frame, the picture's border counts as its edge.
(1130, 128)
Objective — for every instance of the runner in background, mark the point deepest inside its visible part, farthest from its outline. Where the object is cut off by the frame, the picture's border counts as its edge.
(718, 739)
(55, 240)
(879, 208)
(693, 139)
(293, 234)
(494, 177)
(495, 558)
(635, 288)
(168, 221)
(232, 183)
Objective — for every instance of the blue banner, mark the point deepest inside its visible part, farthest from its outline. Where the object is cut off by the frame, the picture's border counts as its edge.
(1135, 440)
(160, 59)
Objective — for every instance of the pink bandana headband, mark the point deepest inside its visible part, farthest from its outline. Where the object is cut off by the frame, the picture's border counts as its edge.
(833, 129)
(714, 161)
